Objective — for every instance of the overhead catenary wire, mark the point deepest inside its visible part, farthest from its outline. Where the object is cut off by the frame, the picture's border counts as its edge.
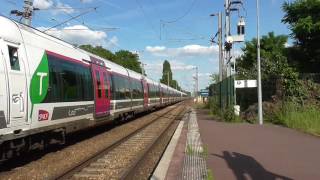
(84, 29)
(64, 8)
(146, 17)
(89, 28)
(70, 19)
(193, 37)
(184, 15)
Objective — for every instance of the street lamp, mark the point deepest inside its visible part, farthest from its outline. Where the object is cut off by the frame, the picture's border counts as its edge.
(260, 115)
(142, 68)
(220, 44)
(196, 82)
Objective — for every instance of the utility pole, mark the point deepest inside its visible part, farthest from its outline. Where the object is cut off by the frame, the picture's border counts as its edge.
(142, 69)
(196, 78)
(220, 47)
(27, 13)
(227, 29)
(28, 10)
(220, 43)
(260, 116)
(168, 78)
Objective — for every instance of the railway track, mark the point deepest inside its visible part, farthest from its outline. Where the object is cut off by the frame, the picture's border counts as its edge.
(122, 158)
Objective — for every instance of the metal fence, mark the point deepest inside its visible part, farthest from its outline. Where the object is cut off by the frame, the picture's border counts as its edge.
(222, 93)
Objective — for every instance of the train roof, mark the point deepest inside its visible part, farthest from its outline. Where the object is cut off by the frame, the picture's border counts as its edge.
(12, 33)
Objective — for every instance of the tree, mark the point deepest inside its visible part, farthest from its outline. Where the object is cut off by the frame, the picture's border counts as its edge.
(303, 19)
(214, 78)
(99, 51)
(124, 58)
(129, 60)
(274, 63)
(272, 55)
(166, 71)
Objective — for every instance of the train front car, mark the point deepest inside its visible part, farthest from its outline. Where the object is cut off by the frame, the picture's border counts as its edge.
(45, 89)
(13, 80)
(50, 88)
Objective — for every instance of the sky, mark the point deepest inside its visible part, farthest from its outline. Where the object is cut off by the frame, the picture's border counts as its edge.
(175, 30)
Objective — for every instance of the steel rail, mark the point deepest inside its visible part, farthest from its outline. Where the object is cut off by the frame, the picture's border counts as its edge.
(130, 172)
(85, 163)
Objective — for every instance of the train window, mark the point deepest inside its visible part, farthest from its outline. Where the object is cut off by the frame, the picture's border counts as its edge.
(54, 92)
(99, 87)
(86, 83)
(14, 60)
(135, 93)
(68, 81)
(141, 90)
(110, 86)
(121, 87)
(105, 83)
(127, 87)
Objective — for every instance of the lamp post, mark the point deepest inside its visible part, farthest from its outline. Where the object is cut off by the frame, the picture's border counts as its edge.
(142, 68)
(196, 78)
(220, 44)
(260, 115)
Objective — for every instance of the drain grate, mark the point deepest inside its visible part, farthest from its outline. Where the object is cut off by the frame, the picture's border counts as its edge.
(194, 164)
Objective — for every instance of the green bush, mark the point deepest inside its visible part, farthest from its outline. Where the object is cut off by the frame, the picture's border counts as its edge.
(294, 115)
(228, 115)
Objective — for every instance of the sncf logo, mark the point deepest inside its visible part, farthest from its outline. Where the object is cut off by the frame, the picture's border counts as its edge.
(43, 115)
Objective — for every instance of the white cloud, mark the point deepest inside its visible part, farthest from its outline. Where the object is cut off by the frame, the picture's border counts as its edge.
(155, 49)
(42, 4)
(63, 8)
(112, 42)
(86, 1)
(175, 66)
(79, 34)
(204, 75)
(57, 7)
(188, 50)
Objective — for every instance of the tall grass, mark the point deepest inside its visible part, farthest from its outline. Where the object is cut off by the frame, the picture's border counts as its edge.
(305, 118)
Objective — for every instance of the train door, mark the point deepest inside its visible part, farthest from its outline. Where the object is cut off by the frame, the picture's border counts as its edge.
(145, 93)
(13, 95)
(102, 90)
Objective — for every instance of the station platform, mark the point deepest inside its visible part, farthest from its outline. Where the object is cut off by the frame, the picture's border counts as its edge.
(203, 148)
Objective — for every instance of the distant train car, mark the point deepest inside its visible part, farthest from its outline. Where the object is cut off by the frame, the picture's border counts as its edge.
(50, 88)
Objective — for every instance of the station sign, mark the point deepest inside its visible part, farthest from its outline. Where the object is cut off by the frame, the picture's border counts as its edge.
(204, 92)
(245, 83)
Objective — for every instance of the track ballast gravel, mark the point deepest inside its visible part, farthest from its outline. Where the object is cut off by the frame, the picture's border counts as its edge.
(51, 165)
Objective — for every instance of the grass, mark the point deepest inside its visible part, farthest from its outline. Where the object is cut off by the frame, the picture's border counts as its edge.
(190, 151)
(205, 151)
(201, 105)
(306, 118)
(210, 175)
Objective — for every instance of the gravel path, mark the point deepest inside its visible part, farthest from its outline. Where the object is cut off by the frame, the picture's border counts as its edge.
(52, 164)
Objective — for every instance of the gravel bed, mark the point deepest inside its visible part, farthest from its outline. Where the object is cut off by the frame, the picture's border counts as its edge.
(151, 160)
(113, 164)
(51, 165)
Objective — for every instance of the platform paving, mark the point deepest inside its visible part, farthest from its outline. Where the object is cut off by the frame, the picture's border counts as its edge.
(244, 151)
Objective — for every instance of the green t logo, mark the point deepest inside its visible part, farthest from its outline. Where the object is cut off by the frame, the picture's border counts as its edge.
(42, 75)
(40, 82)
